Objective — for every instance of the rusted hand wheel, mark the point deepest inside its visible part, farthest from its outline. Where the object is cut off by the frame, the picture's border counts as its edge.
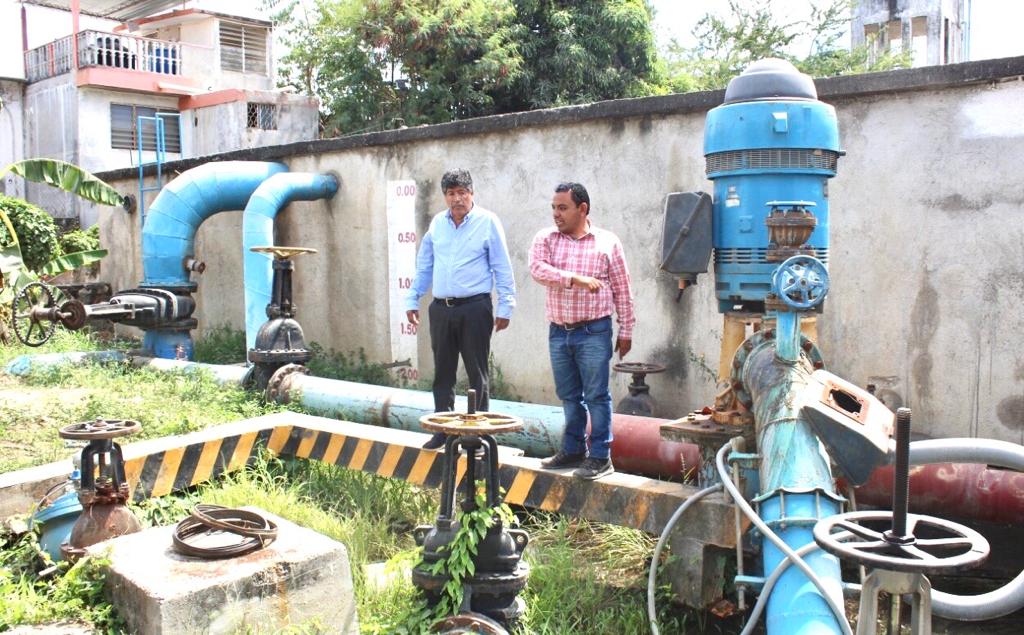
(476, 423)
(33, 314)
(466, 623)
(100, 429)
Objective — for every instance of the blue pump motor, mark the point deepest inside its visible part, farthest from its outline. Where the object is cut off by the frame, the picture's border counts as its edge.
(770, 150)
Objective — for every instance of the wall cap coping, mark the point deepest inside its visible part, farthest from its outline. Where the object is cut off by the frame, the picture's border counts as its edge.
(829, 89)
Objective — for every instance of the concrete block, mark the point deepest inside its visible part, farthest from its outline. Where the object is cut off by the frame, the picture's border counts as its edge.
(301, 578)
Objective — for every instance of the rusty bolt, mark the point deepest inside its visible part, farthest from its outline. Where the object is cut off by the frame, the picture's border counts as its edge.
(769, 333)
(819, 365)
(748, 346)
(807, 346)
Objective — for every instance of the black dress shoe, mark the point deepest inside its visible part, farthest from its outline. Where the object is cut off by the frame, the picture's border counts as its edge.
(436, 441)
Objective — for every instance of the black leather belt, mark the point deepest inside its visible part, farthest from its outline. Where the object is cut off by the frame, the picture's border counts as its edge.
(572, 326)
(458, 301)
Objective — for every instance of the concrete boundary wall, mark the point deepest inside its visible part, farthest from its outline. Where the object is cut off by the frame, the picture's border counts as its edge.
(927, 257)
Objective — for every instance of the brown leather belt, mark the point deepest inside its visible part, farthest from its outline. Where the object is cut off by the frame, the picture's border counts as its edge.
(572, 326)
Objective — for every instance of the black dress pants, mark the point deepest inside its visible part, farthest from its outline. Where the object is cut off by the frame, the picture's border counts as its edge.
(461, 329)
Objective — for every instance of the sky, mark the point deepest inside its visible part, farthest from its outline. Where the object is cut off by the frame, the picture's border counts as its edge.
(994, 31)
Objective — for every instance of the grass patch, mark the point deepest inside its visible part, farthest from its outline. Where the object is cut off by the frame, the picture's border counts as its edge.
(220, 345)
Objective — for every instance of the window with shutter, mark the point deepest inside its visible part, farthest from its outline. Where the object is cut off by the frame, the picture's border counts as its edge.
(125, 117)
(243, 48)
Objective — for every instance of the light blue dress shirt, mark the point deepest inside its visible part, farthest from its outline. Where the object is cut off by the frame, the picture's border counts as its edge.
(458, 262)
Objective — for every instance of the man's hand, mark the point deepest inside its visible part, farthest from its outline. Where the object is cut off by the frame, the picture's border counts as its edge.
(586, 282)
(500, 324)
(413, 317)
(622, 346)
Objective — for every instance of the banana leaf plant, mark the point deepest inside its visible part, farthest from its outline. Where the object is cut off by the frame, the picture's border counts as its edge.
(69, 178)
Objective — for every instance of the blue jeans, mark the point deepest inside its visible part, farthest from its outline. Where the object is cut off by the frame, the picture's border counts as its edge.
(579, 361)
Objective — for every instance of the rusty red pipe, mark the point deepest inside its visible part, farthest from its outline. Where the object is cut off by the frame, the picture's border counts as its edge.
(960, 490)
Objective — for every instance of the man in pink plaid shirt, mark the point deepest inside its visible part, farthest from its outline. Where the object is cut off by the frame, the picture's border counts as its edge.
(584, 270)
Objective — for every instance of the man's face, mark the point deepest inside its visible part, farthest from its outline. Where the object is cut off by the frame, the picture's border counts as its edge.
(570, 218)
(459, 200)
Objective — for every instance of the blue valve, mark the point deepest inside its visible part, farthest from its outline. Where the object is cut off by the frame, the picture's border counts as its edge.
(801, 282)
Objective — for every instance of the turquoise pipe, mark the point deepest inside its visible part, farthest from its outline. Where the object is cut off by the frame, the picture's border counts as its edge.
(222, 374)
(24, 364)
(168, 235)
(401, 408)
(796, 491)
(258, 230)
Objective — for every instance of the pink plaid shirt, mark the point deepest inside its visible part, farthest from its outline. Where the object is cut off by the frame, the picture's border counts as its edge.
(555, 257)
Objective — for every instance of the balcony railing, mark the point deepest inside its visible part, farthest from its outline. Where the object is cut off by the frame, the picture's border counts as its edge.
(109, 50)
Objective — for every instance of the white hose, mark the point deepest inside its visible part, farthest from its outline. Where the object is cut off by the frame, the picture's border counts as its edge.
(652, 613)
(769, 582)
(1009, 597)
(766, 531)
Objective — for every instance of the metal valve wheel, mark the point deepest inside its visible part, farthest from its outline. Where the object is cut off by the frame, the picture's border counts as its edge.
(283, 253)
(638, 368)
(466, 623)
(100, 429)
(34, 314)
(471, 423)
(801, 282)
(948, 547)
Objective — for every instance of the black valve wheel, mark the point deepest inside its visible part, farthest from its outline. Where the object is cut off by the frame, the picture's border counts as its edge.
(638, 368)
(100, 429)
(931, 545)
(31, 314)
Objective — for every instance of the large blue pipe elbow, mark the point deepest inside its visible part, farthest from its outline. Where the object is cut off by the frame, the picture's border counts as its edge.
(168, 235)
(258, 230)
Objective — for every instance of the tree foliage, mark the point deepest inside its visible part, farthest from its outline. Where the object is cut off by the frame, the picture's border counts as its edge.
(378, 64)
(35, 230)
(751, 32)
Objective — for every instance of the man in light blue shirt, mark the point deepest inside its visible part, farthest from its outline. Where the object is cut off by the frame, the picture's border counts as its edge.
(461, 258)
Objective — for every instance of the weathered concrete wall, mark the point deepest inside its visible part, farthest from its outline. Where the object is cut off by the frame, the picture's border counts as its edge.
(12, 134)
(224, 127)
(927, 256)
(51, 131)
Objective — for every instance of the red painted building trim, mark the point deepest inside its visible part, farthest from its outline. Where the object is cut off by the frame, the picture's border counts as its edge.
(215, 98)
(137, 81)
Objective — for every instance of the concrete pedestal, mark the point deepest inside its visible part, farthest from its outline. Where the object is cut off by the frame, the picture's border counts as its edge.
(302, 578)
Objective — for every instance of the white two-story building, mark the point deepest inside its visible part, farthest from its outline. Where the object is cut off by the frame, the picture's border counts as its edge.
(94, 96)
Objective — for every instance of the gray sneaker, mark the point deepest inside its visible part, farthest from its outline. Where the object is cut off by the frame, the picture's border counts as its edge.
(562, 460)
(594, 469)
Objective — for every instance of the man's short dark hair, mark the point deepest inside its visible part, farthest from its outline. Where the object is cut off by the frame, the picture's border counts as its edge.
(456, 178)
(577, 191)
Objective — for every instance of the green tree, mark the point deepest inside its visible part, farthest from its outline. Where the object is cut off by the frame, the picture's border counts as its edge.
(725, 46)
(579, 51)
(378, 64)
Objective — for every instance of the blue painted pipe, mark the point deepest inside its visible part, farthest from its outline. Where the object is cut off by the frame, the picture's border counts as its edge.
(169, 232)
(400, 408)
(24, 364)
(797, 490)
(168, 236)
(258, 230)
(222, 374)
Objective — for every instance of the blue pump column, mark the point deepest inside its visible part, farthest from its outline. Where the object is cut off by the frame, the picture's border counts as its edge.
(797, 490)
(258, 230)
(168, 235)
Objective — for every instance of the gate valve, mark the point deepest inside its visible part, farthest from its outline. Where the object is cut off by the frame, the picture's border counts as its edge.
(639, 400)
(104, 489)
(801, 282)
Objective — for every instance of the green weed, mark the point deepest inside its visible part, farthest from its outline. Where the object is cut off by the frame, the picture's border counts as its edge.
(220, 345)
